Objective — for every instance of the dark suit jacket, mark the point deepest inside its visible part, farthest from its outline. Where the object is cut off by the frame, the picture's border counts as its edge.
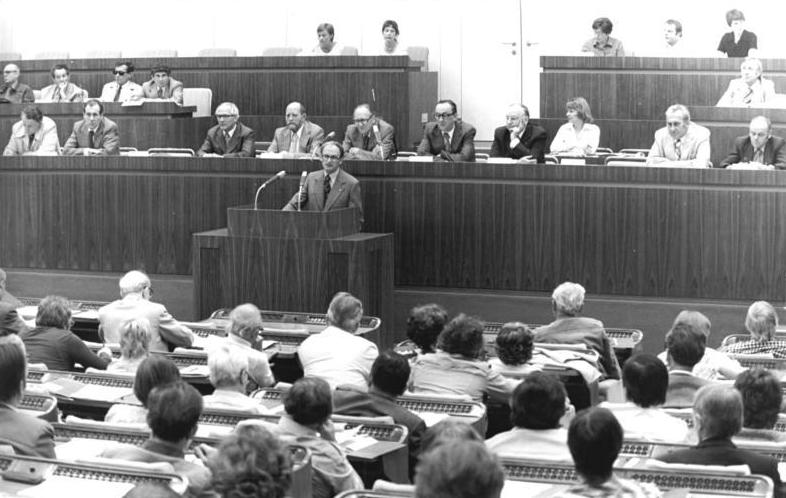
(462, 144)
(682, 389)
(344, 193)
(240, 145)
(533, 143)
(310, 138)
(10, 323)
(368, 145)
(774, 152)
(28, 435)
(106, 137)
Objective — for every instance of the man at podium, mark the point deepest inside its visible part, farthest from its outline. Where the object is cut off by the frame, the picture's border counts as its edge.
(331, 188)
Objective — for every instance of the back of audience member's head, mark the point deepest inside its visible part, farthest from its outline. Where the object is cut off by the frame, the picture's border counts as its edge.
(594, 440)
(685, 345)
(13, 372)
(54, 311)
(155, 370)
(133, 281)
(445, 431)
(695, 319)
(135, 338)
(390, 373)
(309, 402)
(514, 344)
(718, 411)
(761, 398)
(173, 411)
(459, 469)
(245, 321)
(761, 321)
(462, 336)
(538, 402)
(151, 490)
(646, 380)
(345, 312)
(568, 298)
(251, 463)
(227, 367)
(424, 325)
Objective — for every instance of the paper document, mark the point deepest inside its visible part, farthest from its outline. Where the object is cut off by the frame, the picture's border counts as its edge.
(83, 488)
(101, 393)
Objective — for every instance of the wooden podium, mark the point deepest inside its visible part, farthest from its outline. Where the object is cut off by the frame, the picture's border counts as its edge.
(293, 261)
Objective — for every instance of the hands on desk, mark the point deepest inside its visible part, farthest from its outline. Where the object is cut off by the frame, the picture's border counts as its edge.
(92, 152)
(105, 353)
(751, 166)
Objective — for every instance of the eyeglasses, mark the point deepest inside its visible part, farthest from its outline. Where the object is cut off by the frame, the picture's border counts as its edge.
(119, 73)
(361, 121)
(10, 72)
(224, 116)
(674, 124)
(149, 290)
(443, 115)
(330, 157)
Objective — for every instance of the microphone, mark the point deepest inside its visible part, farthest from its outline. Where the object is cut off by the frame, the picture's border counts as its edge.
(378, 137)
(280, 174)
(300, 189)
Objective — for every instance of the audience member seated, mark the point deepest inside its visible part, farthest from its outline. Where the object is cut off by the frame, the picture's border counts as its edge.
(154, 371)
(602, 44)
(336, 354)
(673, 45)
(52, 342)
(761, 399)
(456, 368)
(369, 138)
(595, 440)
(135, 294)
(759, 149)
(514, 350)
(389, 375)
(228, 374)
(577, 137)
(10, 321)
(681, 143)
(33, 135)
(61, 89)
(537, 407)
(390, 44)
(95, 135)
(459, 469)
(714, 365)
(244, 334)
(5, 296)
(424, 325)
(122, 89)
(567, 301)
(134, 346)
(12, 91)
(308, 405)
(646, 381)
(751, 89)
(685, 347)
(230, 137)
(717, 417)
(739, 42)
(300, 137)
(251, 463)
(761, 321)
(27, 434)
(173, 413)
(162, 86)
(326, 46)
(448, 138)
(519, 138)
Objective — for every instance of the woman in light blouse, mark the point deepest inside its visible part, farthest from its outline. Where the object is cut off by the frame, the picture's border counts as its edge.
(578, 136)
(390, 45)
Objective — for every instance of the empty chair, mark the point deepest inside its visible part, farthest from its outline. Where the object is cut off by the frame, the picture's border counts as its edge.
(217, 52)
(349, 51)
(280, 51)
(171, 152)
(55, 55)
(202, 98)
(419, 54)
(10, 56)
(152, 53)
(103, 54)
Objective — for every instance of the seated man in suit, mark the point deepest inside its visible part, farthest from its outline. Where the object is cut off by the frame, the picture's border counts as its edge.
(27, 434)
(162, 86)
(135, 293)
(681, 143)
(12, 90)
(94, 135)
(329, 188)
(685, 348)
(230, 137)
(244, 334)
(34, 135)
(5, 296)
(449, 138)
(122, 89)
(759, 149)
(300, 137)
(519, 137)
(717, 417)
(369, 137)
(62, 90)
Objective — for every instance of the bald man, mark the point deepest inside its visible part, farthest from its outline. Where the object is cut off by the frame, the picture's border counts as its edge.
(519, 139)
(300, 137)
(12, 91)
(369, 137)
(757, 150)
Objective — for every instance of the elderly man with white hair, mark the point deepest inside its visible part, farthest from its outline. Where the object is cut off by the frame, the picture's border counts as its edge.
(135, 292)
(567, 300)
(230, 137)
(229, 375)
(244, 333)
(761, 322)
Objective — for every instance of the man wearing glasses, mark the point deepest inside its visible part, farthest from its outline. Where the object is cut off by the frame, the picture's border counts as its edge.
(681, 143)
(331, 187)
(122, 89)
(94, 135)
(229, 138)
(369, 137)
(448, 138)
(12, 91)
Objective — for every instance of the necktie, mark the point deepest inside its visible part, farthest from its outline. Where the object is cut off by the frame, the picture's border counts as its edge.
(514, 140)
(446, 139)
(678, 149)
(160, 93)
(366, 139)
(58, 96)
(30, 140)
(748, 96)
(91, 139)
(227, 138)
(327, 186)
(117, 93)
(758, 156)
(293, 143)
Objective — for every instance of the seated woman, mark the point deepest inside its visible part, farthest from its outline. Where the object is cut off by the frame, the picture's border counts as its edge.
(738, 42)
(761, 401)
(577, 137)
(751, 89)
(761, 322)
(390, 44)
(154, 371)
(134, 346)
(456, 368)
(514, 350)
(424, 325)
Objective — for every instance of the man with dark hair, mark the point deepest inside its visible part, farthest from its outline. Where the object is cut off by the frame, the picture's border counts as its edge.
(448, 138)
(602, 44)
(26, 434)
(122, 89)
(300, 137)
(94, 135)
(762, 399)
(537, 406)
(33, 135)
(61, 90)
(459, 469)
(424, 325)
(685, 348)
(369, 137)
(162, 86)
